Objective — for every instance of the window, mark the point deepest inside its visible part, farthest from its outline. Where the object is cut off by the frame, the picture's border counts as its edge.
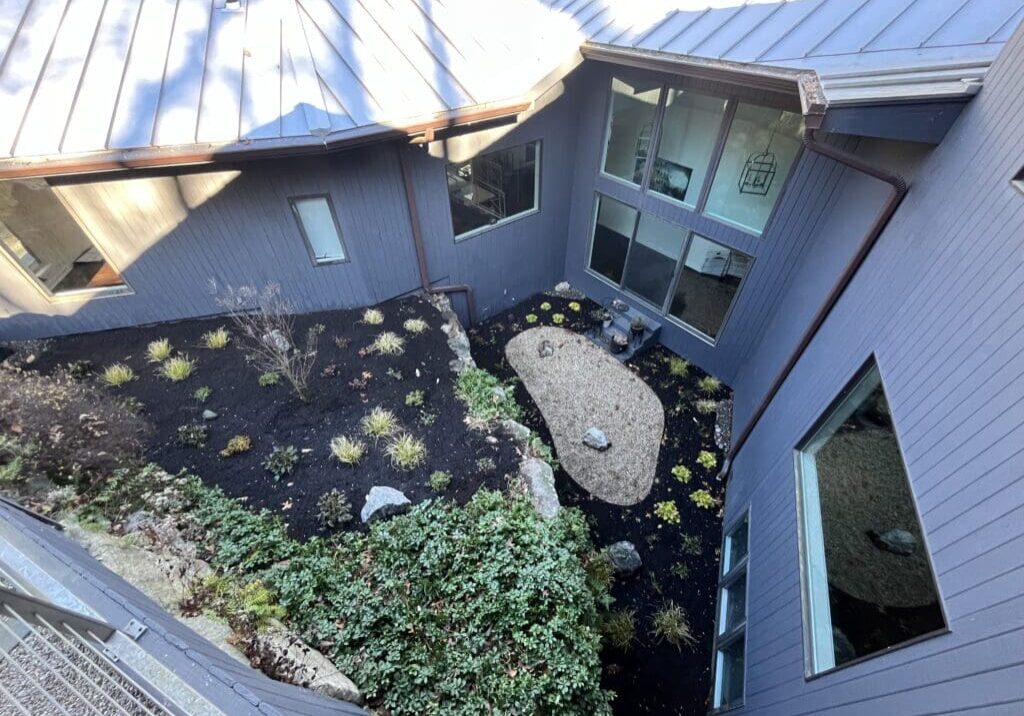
(688, 135)
(494, 187)
(708, 284)
(759, 152)
(730, 632)
(319, 228)
(868, 580)
(630, 130)
(653, 258)
(613, 230)
(42, 236)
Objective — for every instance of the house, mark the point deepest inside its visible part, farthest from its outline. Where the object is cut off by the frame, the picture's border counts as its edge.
(818, 201)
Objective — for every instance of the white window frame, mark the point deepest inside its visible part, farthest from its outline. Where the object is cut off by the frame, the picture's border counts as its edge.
(727, 578)
(293, 204)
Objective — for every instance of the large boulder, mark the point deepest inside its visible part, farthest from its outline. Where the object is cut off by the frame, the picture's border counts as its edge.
(539, 481)
(624, 558)
(383, 502)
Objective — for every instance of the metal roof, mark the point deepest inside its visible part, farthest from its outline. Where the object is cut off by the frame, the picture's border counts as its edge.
(109, 78)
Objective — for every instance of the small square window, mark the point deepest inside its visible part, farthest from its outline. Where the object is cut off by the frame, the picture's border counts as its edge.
(493, 188)
(319, 228)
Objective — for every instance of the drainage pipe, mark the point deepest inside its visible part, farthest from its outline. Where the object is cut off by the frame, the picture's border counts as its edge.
(897, 192)
(417, 240)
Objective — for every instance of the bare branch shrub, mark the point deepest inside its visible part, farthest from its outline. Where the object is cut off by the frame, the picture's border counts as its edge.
(265, 322)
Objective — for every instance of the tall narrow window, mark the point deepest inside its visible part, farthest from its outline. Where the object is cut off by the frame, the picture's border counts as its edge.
(613, 229)
(759, 152)
(653, 258)
(319, 228)
(493, 187)
(630, 130)
(688, 135)
(708, 284)
(868, 581)
(39, 233)
(730, 632)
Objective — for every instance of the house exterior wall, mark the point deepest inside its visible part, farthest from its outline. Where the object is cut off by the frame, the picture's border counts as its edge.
(939, 303)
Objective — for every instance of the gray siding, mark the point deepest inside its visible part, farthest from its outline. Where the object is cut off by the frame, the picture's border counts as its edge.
(939, 302)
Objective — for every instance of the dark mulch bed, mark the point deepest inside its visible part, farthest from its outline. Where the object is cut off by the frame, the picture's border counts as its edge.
(275, 416)
(680, 561)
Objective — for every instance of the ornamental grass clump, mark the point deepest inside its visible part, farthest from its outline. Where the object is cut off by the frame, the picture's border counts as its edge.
(439, 480)
(619, 628)
(388, 343)
(346, 450)
(709, 385)
(671, 625)
(178, 368)
(193, 435)
(678, 367)
(406, 452)
(218, 339)
(706, 406)
(415, 325)
(373, 317)
(379, 423)
(236, 446)
(117, 375)
(414, 398)
(202, 393)
(159, 350)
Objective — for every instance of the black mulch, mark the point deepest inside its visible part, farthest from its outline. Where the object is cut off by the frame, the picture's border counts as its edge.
(680, 561)
(275, 416)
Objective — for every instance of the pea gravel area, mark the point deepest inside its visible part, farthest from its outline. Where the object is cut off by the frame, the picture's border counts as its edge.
(578, 385)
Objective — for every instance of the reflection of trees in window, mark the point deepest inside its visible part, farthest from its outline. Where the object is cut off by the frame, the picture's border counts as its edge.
(492, 187)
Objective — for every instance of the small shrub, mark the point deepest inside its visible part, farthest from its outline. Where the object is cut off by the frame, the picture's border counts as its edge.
(427, 419)
(342, 342)
(373, 317)
(159, 350)
(118, 374)
(334, 510)
(406, 452)
(705, 406)
(414, 398)
(379, 423)
(691, 545)
(215, 340)
(388, 343)
(680, 570)
(619, 628)
(415, 325)
(703, 499)
(670, 624)
(575, 307)
(485, 397)
(13, 457)
(682, 473)
(133, 488)
(486, 464)
(558, 318)
(178, 368)
(268, 379)
(247, 606)
(600, 574)
(318, 328)
(545, 306)
(346, 450)
(193, 435)
(78, 369)
(236, 446)
(667, 511)
(281, 461)
(439, 480)
(678, 367)
(707, 460)
(202, 393)
(709, 385)
(531, 318)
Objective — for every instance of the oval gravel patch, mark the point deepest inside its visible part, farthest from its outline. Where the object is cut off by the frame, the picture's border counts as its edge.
(578, 385)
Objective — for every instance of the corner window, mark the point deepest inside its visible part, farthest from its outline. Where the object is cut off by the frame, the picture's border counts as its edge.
(653, 258)
(868, 579)
(492, 188)
(708, 284)
(42, 237)
(630, 130)
(319, 228)
(689, 132)
(613, 230)
(731, 623)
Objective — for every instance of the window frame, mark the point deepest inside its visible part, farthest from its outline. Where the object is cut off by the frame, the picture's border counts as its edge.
(725, 639)
(78, 294)
(326, 196)
(472, 233)
(852, 381)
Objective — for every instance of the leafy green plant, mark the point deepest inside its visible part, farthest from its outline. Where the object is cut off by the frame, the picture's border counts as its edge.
(346, 450)
(373, 317)
(558, 318)
(388, 343)
(159, 350)
(236, 446)
(131, 488)
(247, 606)
(78, 369)
(707, 460)
(268, 379)
(379, 423)
(217, 339)
(117, 374)
(13, 456)
(709, 385)
(705, 406)
(703, 499)
(545, 306)
(575, 307)
(600, 575)
(691, 545)
(486, 464)
(619, 628)
(281, 461)
(485, 397)
(193, 434)
(667, 511)
(202, 393)
(178, 368)
(680, 570)
(439, 480)
(538, 448)
(333, 509)
(427, 419)
(318, 328)
(406, 452)
(678, 367)
(682, 473)
(414, 398)
(670, 625)
(415, 325)
(531, 318)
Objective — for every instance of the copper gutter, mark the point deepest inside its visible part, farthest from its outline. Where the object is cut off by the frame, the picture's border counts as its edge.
(898, 191)
(417, 240)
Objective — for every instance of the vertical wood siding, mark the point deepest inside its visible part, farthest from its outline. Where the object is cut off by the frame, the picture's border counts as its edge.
(940, 302)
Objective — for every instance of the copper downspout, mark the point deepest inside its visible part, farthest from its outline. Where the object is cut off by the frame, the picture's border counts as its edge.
(898, 191)
(417, 240)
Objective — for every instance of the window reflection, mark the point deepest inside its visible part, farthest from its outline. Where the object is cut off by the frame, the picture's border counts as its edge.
(630, 130)
(708, 284)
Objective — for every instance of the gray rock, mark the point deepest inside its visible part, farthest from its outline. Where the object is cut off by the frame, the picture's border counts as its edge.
(896, 541)
(596, 439)
(563, 287)
(498, 393)
(539, 482)
(624, 558)
(209, 415)
(546, 350)
(516, 430)
(383, 502)
(277, 339)
(308, 665)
